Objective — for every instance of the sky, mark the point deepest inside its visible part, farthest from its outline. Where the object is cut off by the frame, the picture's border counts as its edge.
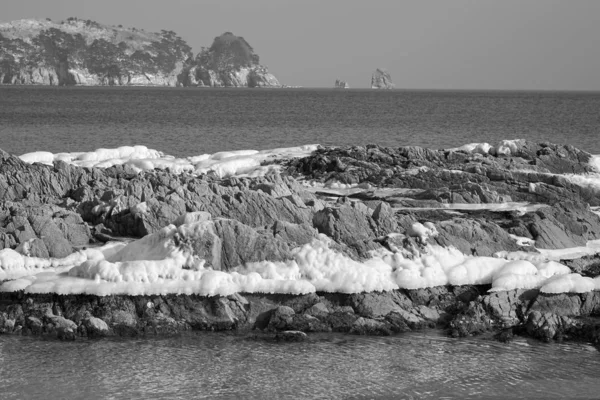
(424, 44)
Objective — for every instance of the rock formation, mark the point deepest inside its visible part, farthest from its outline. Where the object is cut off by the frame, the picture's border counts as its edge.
(340, 84)
(230, 62)
(84, 52)
(399, 197)
(381, 79)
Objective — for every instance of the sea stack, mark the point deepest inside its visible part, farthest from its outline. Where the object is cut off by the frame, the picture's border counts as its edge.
(229, 62)
(381, 79)
(340, 84)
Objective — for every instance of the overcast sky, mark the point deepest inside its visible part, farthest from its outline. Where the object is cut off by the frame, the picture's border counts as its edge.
(441, 44)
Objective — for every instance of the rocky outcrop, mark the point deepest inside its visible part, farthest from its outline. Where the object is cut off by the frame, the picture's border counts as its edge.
(340, 84)
(398, 205)
(229, 62)
(381, 79)
(543, 316)
(71, 317)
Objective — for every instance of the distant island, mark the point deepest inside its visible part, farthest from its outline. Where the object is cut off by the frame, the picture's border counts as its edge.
(85, 52)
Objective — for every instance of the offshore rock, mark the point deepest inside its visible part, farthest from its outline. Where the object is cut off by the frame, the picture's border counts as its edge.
(291, 336)
(229, 62)
(381, 79)
(340, 84)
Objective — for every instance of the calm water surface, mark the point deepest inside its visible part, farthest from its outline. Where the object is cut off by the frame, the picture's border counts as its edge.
(335, 366)
(192, 121)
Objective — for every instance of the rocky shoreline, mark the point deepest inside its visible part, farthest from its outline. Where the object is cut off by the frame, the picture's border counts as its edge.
(515, 201)
(459, 311)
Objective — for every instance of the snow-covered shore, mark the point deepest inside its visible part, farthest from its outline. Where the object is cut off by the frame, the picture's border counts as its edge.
(309, 222)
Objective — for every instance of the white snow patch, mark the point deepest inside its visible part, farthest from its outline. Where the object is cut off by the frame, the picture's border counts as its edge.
(141, 158)
(160, 264)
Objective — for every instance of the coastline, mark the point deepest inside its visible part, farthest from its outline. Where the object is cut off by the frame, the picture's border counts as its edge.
(356, 198)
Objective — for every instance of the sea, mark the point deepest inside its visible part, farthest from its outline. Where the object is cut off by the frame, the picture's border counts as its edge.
(192, 121)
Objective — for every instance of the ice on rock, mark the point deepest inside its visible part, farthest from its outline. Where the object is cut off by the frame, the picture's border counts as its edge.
(508, 147)
(43, 157)
(569, 283)
(595, 162)
(422, 231)
(141, 158)
(163, 262)
(475, 271)
(481, 148)
(504, 147)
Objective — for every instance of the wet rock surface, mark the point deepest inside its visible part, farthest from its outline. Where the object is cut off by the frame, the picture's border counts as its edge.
(51, 211)
(462, 311)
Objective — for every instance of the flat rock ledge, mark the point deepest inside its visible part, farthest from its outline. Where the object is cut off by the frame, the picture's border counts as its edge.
(460, 311)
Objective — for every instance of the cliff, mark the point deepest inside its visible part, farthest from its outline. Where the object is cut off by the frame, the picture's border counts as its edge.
(84, 52)
(381, 79)
(229, 61)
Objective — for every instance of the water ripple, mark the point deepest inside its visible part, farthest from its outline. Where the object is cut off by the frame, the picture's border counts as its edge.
(334, 366)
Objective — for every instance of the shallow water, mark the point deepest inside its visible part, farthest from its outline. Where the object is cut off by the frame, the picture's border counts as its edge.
(192, 121)
(333, 366)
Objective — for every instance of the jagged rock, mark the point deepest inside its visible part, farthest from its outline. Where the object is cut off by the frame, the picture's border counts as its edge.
(508, 306)
(318, 310)
(567, 224)
(281, 318)
(229, 62)
(474, 237)
(381, 79)
(7, 325)
(377, 305)
(257, 219)
(368, 326)
(295, 234)
(587, 265)
(547, 326)
(564, 304)
(473, 320)
(34, 325)
(95, 327)
(349, 224)
(291, 336)
(225, 244)
(65, 329)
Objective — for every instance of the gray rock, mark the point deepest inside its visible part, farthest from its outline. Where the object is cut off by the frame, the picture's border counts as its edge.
(318, 310)
(281, 318)
(291, 336)
(340, 84)
(348, 224)
(367, 326)
(95, 327)
(381, 79)
(474, 237)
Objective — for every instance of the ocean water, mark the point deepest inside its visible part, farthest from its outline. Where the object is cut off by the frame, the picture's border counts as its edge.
(192, 121)
(423, 365)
